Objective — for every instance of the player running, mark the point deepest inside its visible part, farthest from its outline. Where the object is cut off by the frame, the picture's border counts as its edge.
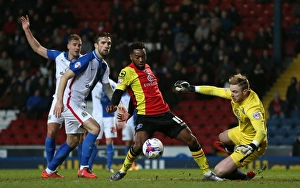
(153, 113)
(249, 137)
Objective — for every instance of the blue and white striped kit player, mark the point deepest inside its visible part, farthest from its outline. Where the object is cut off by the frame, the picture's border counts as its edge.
(83, 74)
(62, 64)
(107, 122)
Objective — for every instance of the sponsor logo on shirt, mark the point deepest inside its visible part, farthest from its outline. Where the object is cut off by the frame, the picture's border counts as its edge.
(139, 126)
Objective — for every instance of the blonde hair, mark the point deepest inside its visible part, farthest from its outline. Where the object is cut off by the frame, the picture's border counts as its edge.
(239, 80)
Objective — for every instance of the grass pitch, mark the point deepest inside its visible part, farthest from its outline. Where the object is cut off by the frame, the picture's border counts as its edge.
(174, 178)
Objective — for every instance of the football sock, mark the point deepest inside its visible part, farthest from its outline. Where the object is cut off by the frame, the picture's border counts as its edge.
(60, 156)
(87, 148)
(79, 151)
(236, 175)
(50, 148)
(93, 156)
(201, 160)
(131, 156)
(109, 155)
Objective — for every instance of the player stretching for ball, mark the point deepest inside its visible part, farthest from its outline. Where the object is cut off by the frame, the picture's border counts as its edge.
(62, 61)
(153, 114)
(249, 137)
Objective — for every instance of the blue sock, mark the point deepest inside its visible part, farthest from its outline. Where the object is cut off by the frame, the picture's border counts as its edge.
(60, 156)
(87, 148)
(93, 157)
(127, 148)
(109, 155)
(79, 151)
(50, 148)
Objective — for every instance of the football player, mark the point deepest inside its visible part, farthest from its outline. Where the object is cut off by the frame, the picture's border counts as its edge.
(249, 137)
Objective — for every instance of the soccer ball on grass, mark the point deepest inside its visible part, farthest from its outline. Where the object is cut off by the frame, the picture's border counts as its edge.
(153, 148)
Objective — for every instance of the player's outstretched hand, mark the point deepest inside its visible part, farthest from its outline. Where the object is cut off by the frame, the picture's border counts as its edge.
(111, 108)
(246, 149)
(183, 86)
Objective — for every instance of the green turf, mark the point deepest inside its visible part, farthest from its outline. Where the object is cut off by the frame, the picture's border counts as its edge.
(173, 178)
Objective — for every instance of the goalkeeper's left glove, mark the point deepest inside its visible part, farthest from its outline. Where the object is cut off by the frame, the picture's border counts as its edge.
(184, 86)
(246, 149)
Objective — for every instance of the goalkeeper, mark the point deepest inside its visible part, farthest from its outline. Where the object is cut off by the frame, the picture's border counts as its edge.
(249, 137)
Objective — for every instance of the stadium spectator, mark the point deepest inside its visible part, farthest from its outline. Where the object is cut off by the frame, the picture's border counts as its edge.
(296, 146)
(32, 104)
(290, 95)
(6, 62)
(277, 107)
(259, 80)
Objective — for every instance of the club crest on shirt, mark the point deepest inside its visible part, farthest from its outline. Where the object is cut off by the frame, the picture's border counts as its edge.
(256, 115)
(122, 74)
(77, 65)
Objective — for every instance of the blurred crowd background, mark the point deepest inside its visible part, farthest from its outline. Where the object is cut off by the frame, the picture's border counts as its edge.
(201, 41)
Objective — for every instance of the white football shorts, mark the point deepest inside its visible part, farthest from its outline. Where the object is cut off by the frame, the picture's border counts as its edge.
(52, 118)
(128, 131)
(74, 118)
(106, 125)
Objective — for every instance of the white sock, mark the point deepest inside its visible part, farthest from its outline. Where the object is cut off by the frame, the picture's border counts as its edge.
(82, 167)
(49, 171)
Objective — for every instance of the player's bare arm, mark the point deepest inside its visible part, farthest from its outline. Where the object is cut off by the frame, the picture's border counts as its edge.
(59, 107)
(34, 44)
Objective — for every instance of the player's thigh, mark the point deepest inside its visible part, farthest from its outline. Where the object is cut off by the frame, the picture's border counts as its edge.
(233, 136)
(99, 120)
(72, 123)
(128, 132)
(52, 119)
(109, 124)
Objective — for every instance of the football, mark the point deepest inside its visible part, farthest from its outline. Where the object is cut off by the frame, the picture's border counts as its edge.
(153, 148)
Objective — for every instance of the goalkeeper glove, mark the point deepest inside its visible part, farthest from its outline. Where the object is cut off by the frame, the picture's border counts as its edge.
(184, 86)
(246, 149)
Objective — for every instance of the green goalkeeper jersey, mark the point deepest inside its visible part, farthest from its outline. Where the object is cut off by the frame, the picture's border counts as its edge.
(250, 113)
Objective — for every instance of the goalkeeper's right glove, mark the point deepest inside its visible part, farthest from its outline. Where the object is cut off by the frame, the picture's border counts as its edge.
(184, 86)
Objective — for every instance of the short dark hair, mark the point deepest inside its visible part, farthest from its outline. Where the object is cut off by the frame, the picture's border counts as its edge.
(136, 45)
(100, 35)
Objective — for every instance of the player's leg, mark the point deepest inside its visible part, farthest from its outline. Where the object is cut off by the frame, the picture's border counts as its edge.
(61, 154)
(99, 137)
(88, 145)
(50, 146)
(229, 167)
(140, 137)
(110, 132)
(79, 147)
(225, 145)
(53, 125)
